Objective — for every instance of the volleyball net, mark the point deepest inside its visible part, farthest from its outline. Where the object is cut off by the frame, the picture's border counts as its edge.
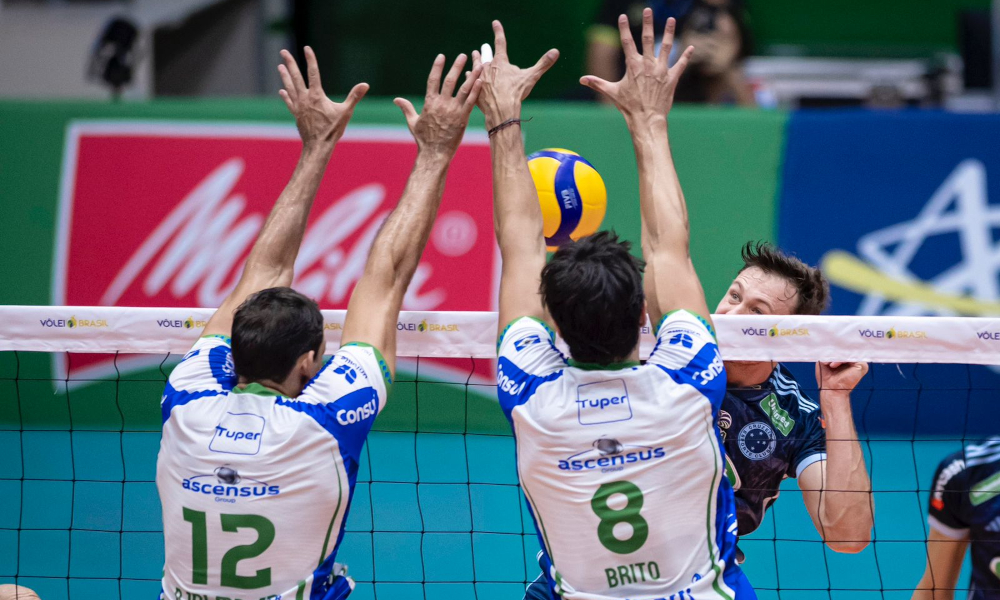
(437, 512)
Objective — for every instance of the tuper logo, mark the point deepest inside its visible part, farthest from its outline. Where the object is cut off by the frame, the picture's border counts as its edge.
(603, 402)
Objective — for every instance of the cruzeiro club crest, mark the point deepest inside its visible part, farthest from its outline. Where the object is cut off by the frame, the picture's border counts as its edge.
(757, 440)
(884, 273)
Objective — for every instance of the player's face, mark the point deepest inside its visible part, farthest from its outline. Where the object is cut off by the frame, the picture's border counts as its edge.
(755, 292)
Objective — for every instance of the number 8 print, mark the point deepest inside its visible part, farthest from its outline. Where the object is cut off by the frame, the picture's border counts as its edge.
(628, 514)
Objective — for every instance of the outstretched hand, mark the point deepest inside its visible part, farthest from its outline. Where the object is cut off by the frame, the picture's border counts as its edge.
(648, 87)
(506, 85)
(840, 376)
(439, 127)
(319, 119)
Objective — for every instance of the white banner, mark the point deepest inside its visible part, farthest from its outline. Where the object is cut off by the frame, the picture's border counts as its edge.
(793, 338)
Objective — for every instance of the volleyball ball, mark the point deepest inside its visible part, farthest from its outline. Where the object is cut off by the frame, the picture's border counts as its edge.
(571, 192)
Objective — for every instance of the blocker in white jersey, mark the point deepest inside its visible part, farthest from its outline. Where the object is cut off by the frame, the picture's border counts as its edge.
(255, 487)
(622, 465)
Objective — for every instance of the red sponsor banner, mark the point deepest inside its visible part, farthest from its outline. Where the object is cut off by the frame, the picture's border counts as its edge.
(157, 214)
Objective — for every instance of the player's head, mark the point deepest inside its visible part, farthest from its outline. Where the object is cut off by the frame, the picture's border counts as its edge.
(774, 283)
(593, 290)
(278, 337)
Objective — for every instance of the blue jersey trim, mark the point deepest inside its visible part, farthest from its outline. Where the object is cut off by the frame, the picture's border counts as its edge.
(515, 387)
(701, 319)
(808, 462)
(222, 337)
(173, 398)
(503, 334)
(382, 364)
(710, 383)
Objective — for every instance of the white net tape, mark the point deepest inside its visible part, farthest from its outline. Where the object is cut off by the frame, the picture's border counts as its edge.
(792, 338)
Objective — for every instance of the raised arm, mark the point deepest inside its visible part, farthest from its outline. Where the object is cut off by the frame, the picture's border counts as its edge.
(395, 254)
(837, 491)
(644, 96)
(517, 215)
(321, 122)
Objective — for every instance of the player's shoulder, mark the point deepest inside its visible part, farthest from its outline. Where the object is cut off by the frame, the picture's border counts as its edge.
(979, 464)
(523, 332)
(974, 468)
(526, 349)
(355, 370)
(789, 394)
(683, 321)
(207, 365)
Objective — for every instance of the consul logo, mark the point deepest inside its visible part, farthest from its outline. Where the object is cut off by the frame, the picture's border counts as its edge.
(882, 270)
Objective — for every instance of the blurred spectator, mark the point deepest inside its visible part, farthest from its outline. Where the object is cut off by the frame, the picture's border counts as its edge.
(16, 592)
(716, 28)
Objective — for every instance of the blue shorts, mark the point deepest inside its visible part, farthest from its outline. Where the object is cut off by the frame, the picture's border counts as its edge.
(538, 589)
(735, 578)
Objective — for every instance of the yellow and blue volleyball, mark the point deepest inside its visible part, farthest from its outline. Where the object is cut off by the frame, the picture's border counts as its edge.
(571, 192)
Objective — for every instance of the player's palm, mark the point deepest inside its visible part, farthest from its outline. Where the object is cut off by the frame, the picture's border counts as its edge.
(649, 83)
(439, 127)
(318, 118)
(841, 377)
(505, 85)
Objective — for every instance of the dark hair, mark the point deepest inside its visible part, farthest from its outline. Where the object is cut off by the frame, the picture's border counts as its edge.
(271, 330)
(813, 289)
(593, 290)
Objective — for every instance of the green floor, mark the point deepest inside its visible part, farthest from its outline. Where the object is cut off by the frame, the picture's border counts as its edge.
(66, 535)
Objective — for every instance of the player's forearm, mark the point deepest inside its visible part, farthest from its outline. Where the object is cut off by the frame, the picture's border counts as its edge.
(517, 215)
(396, 250)
(661, 199)
(933, 587)
(649, 280)
(272, 258)
(846, 506)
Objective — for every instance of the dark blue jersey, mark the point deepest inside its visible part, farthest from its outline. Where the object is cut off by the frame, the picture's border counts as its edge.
(771, 431)
(965, 504)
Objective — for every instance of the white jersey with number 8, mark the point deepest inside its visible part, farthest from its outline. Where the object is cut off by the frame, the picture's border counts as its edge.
(255, 487)
(622, 465)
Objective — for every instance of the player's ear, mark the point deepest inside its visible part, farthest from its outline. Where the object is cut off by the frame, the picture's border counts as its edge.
(304, 366)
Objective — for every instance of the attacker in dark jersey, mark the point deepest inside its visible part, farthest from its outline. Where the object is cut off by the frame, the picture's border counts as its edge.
(964, 513)
(773, 430)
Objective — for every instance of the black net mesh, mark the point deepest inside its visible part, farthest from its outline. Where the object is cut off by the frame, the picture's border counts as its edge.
(437, 512)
